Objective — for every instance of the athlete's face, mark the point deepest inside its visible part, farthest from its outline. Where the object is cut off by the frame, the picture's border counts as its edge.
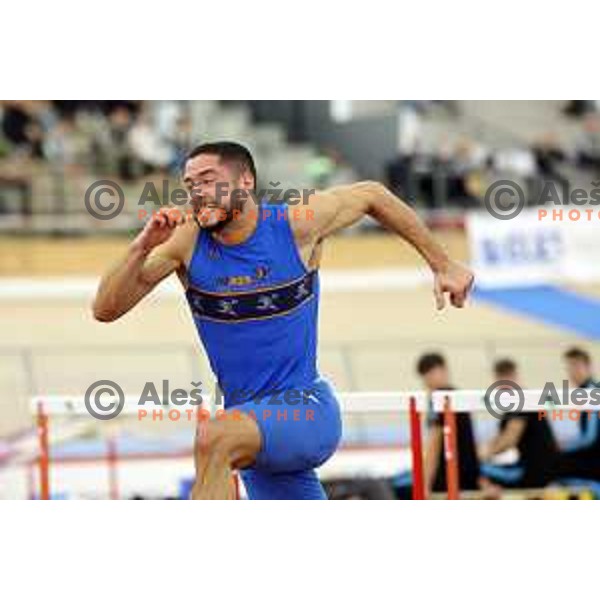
(214, 187)
(578, 371)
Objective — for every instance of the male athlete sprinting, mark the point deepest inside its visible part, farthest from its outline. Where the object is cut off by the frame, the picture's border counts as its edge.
(251, 278)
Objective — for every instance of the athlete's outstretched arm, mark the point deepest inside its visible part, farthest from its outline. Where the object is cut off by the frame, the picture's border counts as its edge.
(339, 207)
(155, 253)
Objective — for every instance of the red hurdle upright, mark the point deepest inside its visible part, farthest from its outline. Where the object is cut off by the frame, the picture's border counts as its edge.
(450, 451)
(44, 457)
(416, 446)
(112, 459)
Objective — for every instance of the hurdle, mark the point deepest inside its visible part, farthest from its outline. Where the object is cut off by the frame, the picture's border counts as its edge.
(414, 404)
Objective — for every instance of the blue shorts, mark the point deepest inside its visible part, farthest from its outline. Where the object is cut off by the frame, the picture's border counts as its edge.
(298, 434)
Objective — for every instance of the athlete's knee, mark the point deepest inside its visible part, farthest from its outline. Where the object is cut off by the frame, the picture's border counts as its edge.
(213, 438)
(236, 439)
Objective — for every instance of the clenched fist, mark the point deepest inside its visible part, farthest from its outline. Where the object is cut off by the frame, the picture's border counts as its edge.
(160, 227)
(454, 279)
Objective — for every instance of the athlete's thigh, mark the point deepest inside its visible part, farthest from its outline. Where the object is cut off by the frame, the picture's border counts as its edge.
(301, 485)
(297, 437)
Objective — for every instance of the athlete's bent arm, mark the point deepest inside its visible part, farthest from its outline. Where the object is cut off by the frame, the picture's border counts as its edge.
(339, 207)
(156, 253)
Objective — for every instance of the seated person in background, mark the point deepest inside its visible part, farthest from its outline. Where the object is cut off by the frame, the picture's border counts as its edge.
(581, 459)
(527, 433)
(549, 157)
(433, 370)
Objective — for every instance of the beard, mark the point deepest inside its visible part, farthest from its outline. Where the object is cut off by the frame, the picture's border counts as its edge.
(223, 218)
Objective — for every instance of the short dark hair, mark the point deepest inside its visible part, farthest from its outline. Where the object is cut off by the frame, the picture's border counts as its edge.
(428, 362)
(505, 367)
(578, 354)
(230, 152)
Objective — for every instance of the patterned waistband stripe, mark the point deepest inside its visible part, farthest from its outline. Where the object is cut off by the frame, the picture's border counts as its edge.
(242, 306)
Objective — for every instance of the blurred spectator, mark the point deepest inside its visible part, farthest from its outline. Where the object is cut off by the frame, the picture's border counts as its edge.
(550, 159)
(182, 141)
(148, 147)
(464, 174)
(400, 177)
(21, 129)
(65, 147)
(342, 173)
(515, 162)
(329, 169)
(579, 108)
(46, 114)
(166, 117)
(319, 170)
(410, 126)
(433, 370)
(449, 178)
(549, 155)
(588, 143)
(108, 107)
(112, 151)
(526, 433)
(16, 182)
(410, 121)
(581, 458)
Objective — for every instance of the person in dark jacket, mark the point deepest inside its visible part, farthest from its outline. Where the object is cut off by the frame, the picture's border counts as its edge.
(528, 434)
